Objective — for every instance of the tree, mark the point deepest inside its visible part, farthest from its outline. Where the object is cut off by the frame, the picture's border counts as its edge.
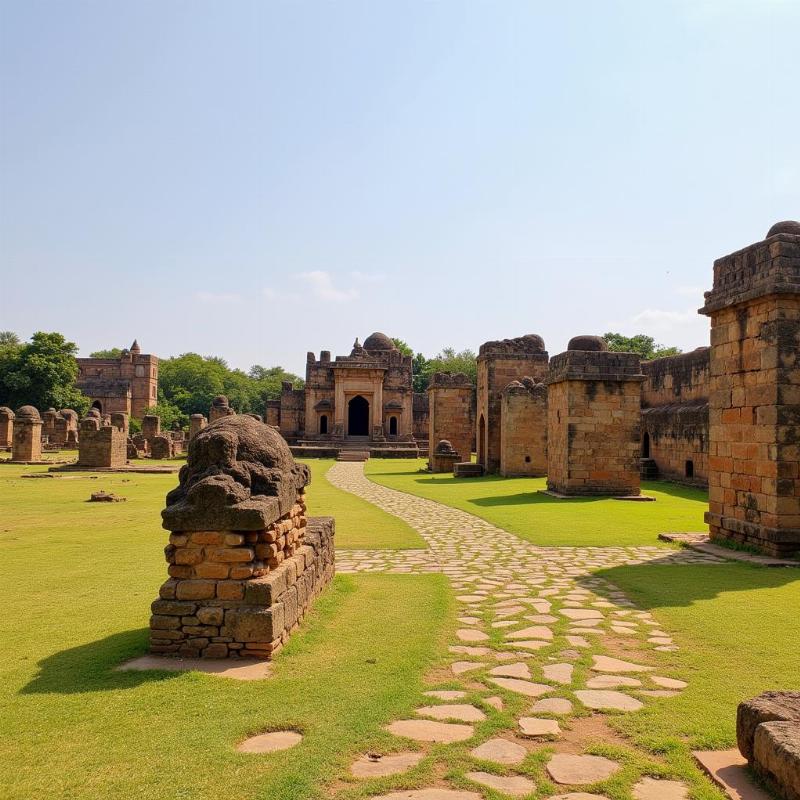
(9, 338)
(169, 414)
(645, 346)
(403, 347)
(114, 352)
(448, 360)
(41, 373)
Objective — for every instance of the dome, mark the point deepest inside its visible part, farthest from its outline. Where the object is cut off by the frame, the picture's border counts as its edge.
(28, 412)
(787, 226)
(595, 344)
(378, 341)
(220, 400)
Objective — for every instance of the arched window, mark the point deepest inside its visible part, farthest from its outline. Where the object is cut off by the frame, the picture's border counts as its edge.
(646, 445)
(98, 405)
(323, 423)
(392, 426)
(689, 469)
(482, 441)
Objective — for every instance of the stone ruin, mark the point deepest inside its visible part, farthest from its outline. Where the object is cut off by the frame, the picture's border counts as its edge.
(443, 457)
(768, 735)
(196, 423)
(593, 420)
(6, 426)
(103, 445)
(245, 563)
(451, 418)
(219, 408)
(26, 446)
(754, 423)
(523, 429)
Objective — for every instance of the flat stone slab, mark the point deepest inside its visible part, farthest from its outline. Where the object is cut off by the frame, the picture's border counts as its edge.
(607, 699)
(532, 632)
(429, 794)
(552, 705)
(518, 670)
(611, 681)
(528, 688)
(271, 742)
(728, 769)
(565, 768)
(513, 785)
(494, 702)
(445, 694)
(501, 751)
(471, 635)
(425, 730)
(241, 669)
(558, 673)
(460, 667)
(461, 712)
(581, 613)
(381, 766)
(578, 796)
(469, 651)
(534, 727)
(652, 789)
(532, 644)
(668, 683)
(608, 664)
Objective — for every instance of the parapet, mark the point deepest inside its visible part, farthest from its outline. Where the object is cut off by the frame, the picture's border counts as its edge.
(521, 347)
(593, 365)
(450, 380)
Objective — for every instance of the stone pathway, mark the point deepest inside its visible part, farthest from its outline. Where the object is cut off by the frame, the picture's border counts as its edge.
(561, 645)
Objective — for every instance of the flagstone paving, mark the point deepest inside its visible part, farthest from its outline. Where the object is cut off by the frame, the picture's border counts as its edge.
(554, 626)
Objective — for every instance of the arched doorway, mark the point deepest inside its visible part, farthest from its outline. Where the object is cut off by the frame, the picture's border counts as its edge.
(646, 445)
(482, 441)
(98, 405)
(323, 423)
(392, 426)
(358, 416)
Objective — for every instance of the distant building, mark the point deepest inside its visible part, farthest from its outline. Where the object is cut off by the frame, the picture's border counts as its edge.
(126, 384)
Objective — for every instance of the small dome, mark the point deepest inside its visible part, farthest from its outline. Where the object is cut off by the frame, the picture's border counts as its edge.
(444, 446)
(220, 400)
(787, 226)
(28, 412)
(93, 412)
(6, 412)
(378, 341)
(594, 344)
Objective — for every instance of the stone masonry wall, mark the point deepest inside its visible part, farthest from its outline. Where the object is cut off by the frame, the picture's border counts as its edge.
(27, 442)
(450, 410)
(523, 420)
(499, 363)
(593, 411)
(6, 426)
(754, 456)
(105, 447)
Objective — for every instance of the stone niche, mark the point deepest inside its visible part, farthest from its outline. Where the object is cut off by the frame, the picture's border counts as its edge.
(104, 446)
(245, 562)
(754, 397)
(593, 420)
(450, 398)
(523, 429)
(6, 426)
(27, 442)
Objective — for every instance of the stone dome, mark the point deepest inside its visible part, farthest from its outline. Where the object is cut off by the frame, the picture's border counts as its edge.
(787, 226)
(220, 400)
(93, 412)
(594, 344)
(28, 412)
(378, 341)
(6, 412)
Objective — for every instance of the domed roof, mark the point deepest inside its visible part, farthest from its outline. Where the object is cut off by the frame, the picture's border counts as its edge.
(378, 341)
(595, 344)
(220, 400)
(787, 226)
(28, 412)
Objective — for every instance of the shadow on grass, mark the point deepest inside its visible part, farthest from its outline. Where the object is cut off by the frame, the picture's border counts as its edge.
(676, 490)
(531, 498)
(662, 583)
(91, 667)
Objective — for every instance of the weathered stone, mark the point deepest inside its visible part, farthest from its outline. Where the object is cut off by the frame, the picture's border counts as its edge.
(605, 699)
(501, 751)
(767, 707)
(512, 785)
(424, 730)
(608, 664)
(528, 688)
(652, 789)
(462, 712)
(270, 742)
(535, 727)
(565, 768)
(379, 766)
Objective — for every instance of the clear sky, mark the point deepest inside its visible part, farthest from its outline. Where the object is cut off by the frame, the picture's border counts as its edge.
(258, 179)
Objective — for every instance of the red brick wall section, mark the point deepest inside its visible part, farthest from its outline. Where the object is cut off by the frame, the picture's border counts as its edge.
(523, 421)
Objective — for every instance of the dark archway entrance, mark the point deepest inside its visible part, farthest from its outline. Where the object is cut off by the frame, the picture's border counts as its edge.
(482, 441)
(646, 445)
(323, 423)
(392, 426)
(98, 405)
(358, 416)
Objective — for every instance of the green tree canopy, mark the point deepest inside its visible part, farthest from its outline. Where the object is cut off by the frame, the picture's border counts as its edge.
(403, 347)
(113, 352)
(40, 373)
(448, 360)
(644, 345)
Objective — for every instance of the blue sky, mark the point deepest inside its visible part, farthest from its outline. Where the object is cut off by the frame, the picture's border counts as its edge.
(259, 179)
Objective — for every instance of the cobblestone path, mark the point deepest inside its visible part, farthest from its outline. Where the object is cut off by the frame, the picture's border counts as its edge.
(540, 638)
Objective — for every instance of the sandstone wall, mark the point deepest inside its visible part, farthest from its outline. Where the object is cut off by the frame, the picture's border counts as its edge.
(450, 410)
(523, 429)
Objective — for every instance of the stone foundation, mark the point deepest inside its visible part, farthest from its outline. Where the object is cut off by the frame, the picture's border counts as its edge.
(233, 603)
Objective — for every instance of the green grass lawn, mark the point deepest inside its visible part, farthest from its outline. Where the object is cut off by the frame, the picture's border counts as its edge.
(359, 524)
(516, 505)
(738, 629)
(76, 581)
